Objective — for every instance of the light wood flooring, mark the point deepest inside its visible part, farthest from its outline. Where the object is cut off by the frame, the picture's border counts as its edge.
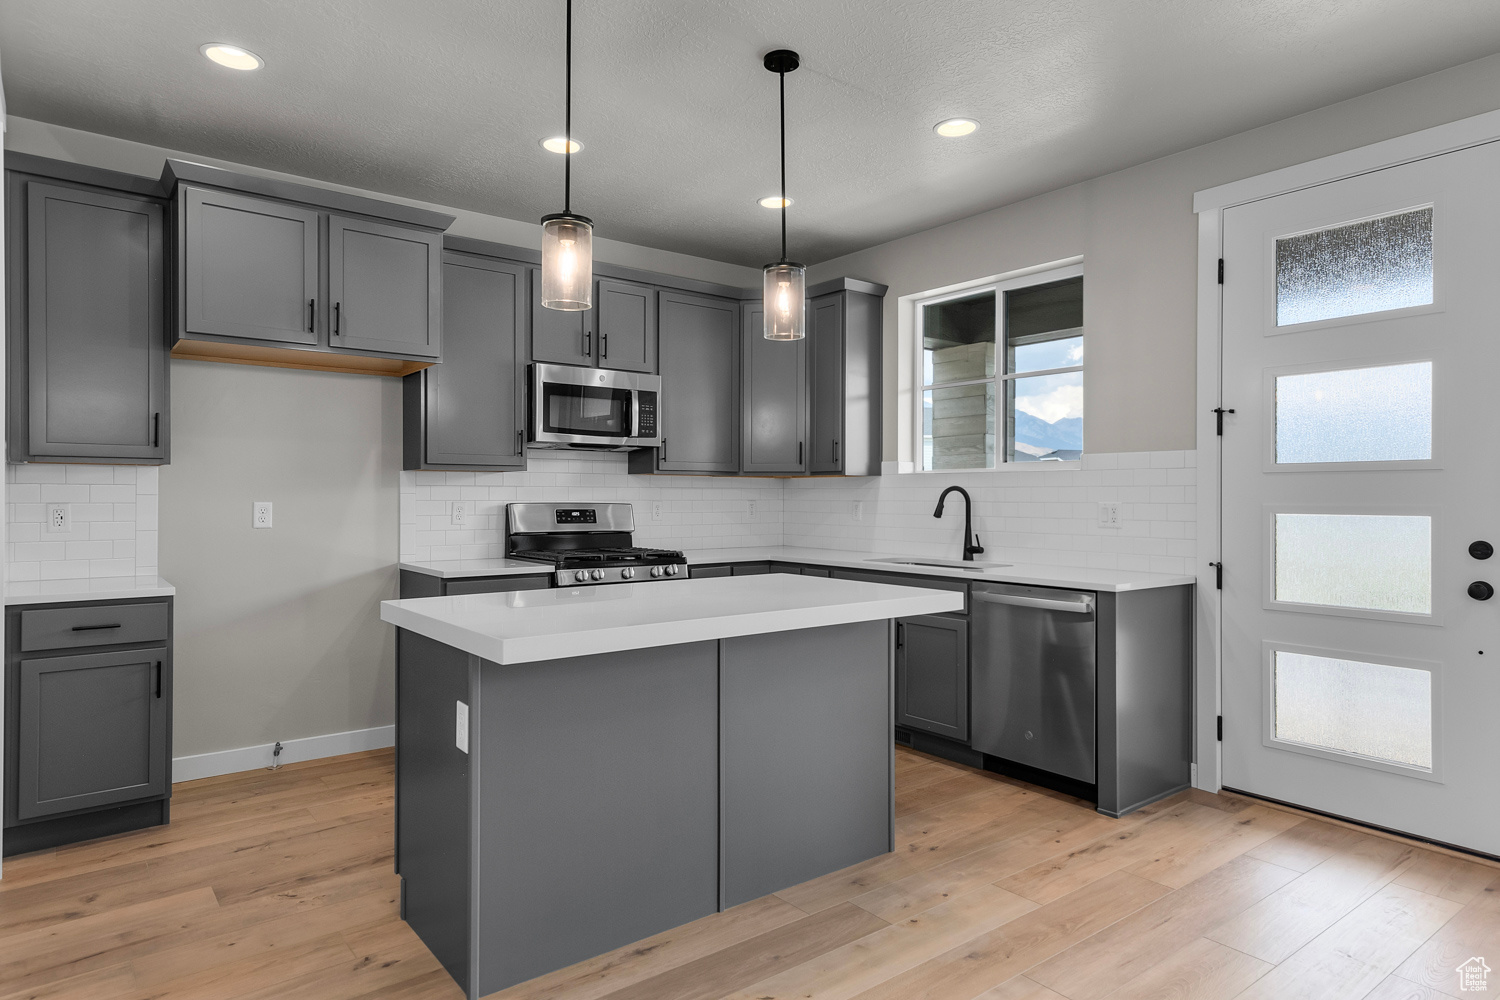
(279, 885)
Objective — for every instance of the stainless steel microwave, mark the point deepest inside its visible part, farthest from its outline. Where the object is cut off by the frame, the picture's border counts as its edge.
(592, 408)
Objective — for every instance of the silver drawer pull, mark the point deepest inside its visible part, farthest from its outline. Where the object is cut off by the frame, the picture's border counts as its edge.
(91, 628)
(1083, 607)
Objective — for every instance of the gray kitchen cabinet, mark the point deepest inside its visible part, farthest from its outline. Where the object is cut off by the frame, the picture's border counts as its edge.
(699, 354)
(86, 301)
(414, 584)
(385, 284)
(844, 381)
(775, 400)
(932, 675)
(557, 337)
(708, 572)
(626, 315)
(250, 267)
(88, 720)
(470, 411)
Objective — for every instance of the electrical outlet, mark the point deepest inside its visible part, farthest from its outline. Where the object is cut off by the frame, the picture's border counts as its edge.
(59, 517)
(857, 510)
(658, 510)
(1109, 514)
(750, 506)
(461, 734)
(260, 514)
(460, 514)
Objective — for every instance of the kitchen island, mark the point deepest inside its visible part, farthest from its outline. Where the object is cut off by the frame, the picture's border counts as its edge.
(579, 768)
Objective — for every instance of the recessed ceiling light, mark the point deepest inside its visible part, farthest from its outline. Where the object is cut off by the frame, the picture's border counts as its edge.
(952, 128)
(560, 143)
(232, 56)
(774, 201)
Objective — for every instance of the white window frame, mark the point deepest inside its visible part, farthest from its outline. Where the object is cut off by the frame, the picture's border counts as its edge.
(998, 287)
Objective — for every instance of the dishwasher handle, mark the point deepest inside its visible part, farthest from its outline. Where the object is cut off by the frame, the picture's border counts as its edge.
(1083, 607)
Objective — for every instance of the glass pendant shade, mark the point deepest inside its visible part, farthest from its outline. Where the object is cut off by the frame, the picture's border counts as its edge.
(567, 262)
(785, 287)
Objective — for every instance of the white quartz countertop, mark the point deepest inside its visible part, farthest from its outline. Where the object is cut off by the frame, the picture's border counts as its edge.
(115, 588)
(999, 570)
(532, 625)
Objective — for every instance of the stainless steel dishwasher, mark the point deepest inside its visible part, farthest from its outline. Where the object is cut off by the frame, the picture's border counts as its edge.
(1032, 697)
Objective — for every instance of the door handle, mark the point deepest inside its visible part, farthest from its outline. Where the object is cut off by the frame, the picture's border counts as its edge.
(661, 450)
(156, 430)
(312, 315)
(900, 634)
(603, 345)
(1083, 607)
(336, 318)
(588, 343)
(158, 678)
(94, 628)
(835, 451)
(799, 452)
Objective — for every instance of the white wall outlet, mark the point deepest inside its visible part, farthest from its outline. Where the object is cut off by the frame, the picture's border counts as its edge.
(658, 510)
(461, 732)
(59, 517)
(260, 514)
(460, 513)
(857, 510)
(1109, 514)
(750, 509)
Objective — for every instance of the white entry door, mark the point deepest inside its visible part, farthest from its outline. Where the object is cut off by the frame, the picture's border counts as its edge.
(1361, 468)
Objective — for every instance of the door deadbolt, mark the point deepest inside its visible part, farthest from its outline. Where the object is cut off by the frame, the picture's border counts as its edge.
(1481, 550)
(1481, 591)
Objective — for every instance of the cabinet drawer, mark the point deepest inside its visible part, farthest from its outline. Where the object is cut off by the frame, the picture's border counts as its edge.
(497, 585)
(107, 625)
(902, 580)
(701, 572)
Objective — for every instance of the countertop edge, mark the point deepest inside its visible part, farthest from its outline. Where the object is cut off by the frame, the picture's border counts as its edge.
(78, 591)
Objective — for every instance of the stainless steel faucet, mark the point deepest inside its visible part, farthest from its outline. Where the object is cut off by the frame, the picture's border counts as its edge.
(970, 548)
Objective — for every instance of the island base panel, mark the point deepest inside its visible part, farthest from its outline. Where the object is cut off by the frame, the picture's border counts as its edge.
(807, 755)
(598, 805)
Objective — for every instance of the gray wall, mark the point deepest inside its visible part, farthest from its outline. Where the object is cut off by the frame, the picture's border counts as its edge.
(278, 631)
(1138, 236)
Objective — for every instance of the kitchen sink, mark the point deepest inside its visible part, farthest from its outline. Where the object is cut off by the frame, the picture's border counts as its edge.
(967, 567)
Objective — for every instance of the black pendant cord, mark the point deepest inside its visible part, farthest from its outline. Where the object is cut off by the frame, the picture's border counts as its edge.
(568, 123)
(782, 78)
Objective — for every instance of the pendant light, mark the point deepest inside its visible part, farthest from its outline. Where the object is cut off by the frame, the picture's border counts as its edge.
(568, 239)
(784, 282)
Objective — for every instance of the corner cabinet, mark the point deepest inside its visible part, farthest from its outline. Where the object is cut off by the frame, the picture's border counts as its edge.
(775, 401)
(86, 315)
(470, 411)
(699, 350)
(88, 720)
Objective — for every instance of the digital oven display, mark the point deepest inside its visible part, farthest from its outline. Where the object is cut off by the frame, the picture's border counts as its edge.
(578, 515)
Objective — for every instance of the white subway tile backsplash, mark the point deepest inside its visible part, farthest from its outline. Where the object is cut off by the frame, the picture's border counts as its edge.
(113, 510)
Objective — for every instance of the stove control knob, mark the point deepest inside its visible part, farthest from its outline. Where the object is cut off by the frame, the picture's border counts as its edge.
(598, 574)
(672, 570)
(581, 576)
(655, 571)
(627, 573)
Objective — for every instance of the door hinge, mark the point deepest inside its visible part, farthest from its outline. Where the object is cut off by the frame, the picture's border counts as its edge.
(1221, 729)
(1221, 270)
(1218, 575)
(1219, 412)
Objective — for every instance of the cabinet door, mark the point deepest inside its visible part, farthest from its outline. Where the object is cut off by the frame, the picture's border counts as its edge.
(95, 325)
(932, 675)
(700, 383)
(825, 334)
(559, 338)
(472, 405)
(386, 286)
(92, 730)
(250, 268)
(775, 407)
(627, 325)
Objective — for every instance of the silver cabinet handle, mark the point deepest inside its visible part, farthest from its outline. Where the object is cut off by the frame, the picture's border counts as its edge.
(1083, 607)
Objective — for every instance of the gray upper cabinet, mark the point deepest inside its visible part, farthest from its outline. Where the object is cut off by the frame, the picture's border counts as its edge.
(557, 337)
(775, 400)
(699, 337)
(932, 675)
(844, 383)
(385, 286)
(626, 312)
(250, 267)
(86, 304)
(825, 334)
(469, 412)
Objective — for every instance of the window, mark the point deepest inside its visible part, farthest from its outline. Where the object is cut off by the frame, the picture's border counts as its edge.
(1002, 374)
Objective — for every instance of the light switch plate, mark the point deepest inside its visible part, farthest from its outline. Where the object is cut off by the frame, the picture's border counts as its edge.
(857, 510)
(260, 514)
(750, 509)
(461, 738)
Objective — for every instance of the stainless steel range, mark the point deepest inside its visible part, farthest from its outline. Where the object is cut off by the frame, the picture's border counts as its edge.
(586, 544)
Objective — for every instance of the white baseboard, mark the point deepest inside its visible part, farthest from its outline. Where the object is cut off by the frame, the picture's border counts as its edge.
(208, 765)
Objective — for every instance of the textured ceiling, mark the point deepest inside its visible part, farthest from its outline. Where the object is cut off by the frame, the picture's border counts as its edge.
(446, 101)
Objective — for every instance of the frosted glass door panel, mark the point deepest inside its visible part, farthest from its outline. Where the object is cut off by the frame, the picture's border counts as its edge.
(1348, 706)
(1364, 267)
(1374, 562)
(1381, 414)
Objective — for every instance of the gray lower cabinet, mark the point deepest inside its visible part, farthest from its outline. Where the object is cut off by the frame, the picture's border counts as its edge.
(699, 355)
(88, 721)
(932, 675)
(626, 312)
(469, 411)
(557, 337)
(414, 584)
(86, 312)
(775, 400)
(844, 383)
(386, 286)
